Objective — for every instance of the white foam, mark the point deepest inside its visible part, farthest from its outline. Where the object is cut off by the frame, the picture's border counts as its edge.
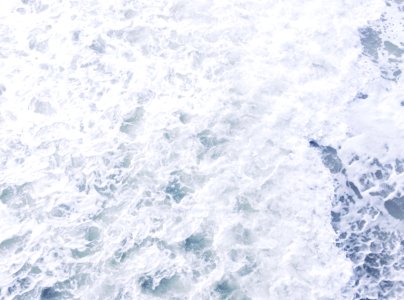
(231, 92)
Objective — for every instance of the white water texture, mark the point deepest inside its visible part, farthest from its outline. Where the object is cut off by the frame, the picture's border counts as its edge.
(160, 149)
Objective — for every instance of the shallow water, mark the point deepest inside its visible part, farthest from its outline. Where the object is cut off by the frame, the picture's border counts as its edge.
(201, 149)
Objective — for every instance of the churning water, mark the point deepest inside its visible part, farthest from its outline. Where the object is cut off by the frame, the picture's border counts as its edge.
(201, 149)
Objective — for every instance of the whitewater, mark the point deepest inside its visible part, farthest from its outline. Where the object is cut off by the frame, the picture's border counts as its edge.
(207, 149)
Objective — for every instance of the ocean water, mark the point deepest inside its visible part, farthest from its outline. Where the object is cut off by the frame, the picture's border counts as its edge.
(201, 149)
